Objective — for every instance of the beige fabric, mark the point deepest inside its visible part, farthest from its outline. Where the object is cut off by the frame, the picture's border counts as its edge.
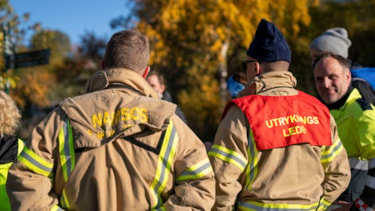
(112, 173)
(269, 186)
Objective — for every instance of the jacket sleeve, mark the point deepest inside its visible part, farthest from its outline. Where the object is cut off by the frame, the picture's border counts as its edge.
(29, 183)
(194, 180)
(228, 156)
(366, 144)
(336, 166)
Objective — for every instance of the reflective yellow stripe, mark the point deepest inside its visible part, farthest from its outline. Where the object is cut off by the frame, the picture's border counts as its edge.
(324, 204)
(228, 155)
(67, 157)
(56, 208)
(166, 155)
(21, 144)
(66, 149)
(251, 168)
(159, 209)
(64, 200)
(330, 154)
(247, 206)
(196, 171)
(36, 163)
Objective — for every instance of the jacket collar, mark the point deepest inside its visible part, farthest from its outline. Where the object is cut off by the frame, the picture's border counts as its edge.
(273, 80)
(119, 76)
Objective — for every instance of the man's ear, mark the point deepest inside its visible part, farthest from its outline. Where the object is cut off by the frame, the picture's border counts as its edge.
(162, 87)
(146, 71)
(258, 68)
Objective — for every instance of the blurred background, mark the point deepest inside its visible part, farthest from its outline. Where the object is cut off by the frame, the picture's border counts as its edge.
(195, 44)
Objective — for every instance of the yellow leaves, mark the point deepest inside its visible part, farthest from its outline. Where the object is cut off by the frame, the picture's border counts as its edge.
(8, 80)
(35, 86)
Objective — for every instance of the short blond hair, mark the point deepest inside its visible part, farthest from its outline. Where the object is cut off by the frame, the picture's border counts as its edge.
(10, 115)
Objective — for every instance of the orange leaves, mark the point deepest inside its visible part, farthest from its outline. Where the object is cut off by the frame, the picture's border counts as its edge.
(34, 86)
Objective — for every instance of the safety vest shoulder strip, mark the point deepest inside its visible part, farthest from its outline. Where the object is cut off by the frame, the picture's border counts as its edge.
(167, 153)
(36, 163)
(196, 171)
(332, 152)
(228, 155)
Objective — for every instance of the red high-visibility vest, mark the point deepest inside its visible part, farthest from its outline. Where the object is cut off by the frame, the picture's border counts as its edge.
(280, 121)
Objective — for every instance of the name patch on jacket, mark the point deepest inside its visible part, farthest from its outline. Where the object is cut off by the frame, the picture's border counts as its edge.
(124, 116)
(280, 121)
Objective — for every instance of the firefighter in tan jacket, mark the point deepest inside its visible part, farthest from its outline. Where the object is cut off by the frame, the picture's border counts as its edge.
(118, 147)
(277, 148)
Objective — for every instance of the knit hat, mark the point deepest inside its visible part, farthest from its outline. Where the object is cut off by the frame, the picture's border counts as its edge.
(269, 44)
(334, 40)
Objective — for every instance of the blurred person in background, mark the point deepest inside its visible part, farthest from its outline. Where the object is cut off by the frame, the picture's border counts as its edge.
(157, 82)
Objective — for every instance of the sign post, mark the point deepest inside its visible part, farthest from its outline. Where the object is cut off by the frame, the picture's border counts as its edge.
(28, 59)
(14, 60)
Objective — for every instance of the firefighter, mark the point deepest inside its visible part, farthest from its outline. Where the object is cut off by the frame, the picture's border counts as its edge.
(117, 147)
(276, 148)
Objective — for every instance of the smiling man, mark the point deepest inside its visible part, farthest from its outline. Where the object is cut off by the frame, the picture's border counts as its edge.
(355, 118)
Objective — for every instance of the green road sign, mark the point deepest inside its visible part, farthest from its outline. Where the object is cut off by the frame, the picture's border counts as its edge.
(27, 59)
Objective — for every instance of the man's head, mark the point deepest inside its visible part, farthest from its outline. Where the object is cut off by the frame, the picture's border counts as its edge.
(332, 77)
(334, 40)
(156, 81)
(269, 51)
(127, 49)
(10, 116)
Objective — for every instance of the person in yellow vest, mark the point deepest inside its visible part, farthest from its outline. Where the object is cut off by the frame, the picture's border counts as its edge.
(355, 119)
(10, 145)
(117, 147)
(276, 148)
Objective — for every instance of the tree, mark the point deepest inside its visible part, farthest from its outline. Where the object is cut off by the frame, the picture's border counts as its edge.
(193, 41)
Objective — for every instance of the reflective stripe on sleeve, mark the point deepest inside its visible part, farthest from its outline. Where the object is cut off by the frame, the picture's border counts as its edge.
(370, 182)
(196, 171)
(67, 157)
(56, 208)
(21, 145)
(228, 155)
(36, 163)
(247, 206)
(159, 209)
(358, 164)
(371, 174)
(371, 164)
(332, 152)
(166, 156)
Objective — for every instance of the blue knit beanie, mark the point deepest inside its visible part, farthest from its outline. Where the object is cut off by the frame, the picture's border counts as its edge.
(269, 44)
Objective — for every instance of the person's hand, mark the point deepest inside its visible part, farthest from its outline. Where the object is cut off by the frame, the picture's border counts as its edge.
(344, 205)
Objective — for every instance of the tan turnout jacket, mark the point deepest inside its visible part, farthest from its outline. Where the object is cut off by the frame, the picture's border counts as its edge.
(131, 152)
(248, 179)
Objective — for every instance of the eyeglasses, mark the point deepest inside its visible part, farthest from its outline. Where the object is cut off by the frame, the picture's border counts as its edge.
(244, 64)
